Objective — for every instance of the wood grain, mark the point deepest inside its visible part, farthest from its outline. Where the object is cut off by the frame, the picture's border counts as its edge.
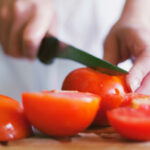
(92, 139)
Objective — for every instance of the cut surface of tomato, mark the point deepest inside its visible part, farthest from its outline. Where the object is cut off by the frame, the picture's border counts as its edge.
(60, 113)
(135, 100)
(110, 88)
(13, 123)
(131, 123)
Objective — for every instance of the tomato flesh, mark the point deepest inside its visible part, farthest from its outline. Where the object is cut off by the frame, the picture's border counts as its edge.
(131, 123)
(59, 113)
(13, 123)
(110, 88)
(136, 100)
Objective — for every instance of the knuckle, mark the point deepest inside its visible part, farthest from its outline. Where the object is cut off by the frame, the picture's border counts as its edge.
(29, 40)
(17, 9)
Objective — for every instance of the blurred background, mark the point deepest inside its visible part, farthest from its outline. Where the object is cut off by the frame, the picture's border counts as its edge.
(83, 24)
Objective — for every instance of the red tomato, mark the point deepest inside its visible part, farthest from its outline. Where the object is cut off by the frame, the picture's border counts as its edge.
(60, 113)
(110, 88)
(135, 100)
(131, 123)
(13, 124)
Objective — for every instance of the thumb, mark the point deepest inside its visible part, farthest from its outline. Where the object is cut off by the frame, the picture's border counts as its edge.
(139, 70)
(111, 49)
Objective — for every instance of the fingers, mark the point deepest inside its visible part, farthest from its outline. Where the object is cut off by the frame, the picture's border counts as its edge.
(145, 85)
(111, 49)
(5, 22)
(34, 32)
(139, 70)
(23, 25)
(21, 14)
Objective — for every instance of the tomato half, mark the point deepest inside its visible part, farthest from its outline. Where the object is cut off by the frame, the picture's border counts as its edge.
(13, 123)
(110, 88)
(131, 123)
(60, 113)
(135, 100)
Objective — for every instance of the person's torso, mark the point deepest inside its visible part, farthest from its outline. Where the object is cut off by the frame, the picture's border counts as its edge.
(83, 24)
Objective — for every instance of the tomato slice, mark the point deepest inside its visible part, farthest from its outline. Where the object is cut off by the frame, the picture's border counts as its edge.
(110, 88)
(135, 100)
(60, 113)
(13, 123)
(131, 123)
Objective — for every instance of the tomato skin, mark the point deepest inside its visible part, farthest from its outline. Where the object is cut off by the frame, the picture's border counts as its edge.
(60, 113)
(133, 124)
(110, 88)
(13, 123)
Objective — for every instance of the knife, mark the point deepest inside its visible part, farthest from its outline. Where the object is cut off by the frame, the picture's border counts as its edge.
(52, 48)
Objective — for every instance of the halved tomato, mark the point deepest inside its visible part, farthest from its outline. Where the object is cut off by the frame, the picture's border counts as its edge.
(60, 113)
(110, 88)
(131, 123)
(13, 123)
(135, 100)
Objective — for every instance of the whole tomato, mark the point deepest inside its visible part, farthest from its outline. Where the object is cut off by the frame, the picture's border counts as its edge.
(110, 88)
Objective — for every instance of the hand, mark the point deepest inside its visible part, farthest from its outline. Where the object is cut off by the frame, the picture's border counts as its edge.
(23, 24)
(130, 38)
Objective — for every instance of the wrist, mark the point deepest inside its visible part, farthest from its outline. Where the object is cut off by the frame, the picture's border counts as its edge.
(136, 10)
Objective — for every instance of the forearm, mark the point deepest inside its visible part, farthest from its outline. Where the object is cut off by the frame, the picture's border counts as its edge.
(136, 9)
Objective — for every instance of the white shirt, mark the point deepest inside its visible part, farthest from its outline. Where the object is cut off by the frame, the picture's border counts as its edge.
(83, 24)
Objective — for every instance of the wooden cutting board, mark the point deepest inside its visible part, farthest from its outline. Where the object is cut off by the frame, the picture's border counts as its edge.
(92, 139)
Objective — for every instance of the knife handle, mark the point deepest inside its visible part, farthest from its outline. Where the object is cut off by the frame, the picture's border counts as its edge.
(48, 50)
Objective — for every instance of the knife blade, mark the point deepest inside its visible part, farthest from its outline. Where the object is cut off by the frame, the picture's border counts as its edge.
(52, 48)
